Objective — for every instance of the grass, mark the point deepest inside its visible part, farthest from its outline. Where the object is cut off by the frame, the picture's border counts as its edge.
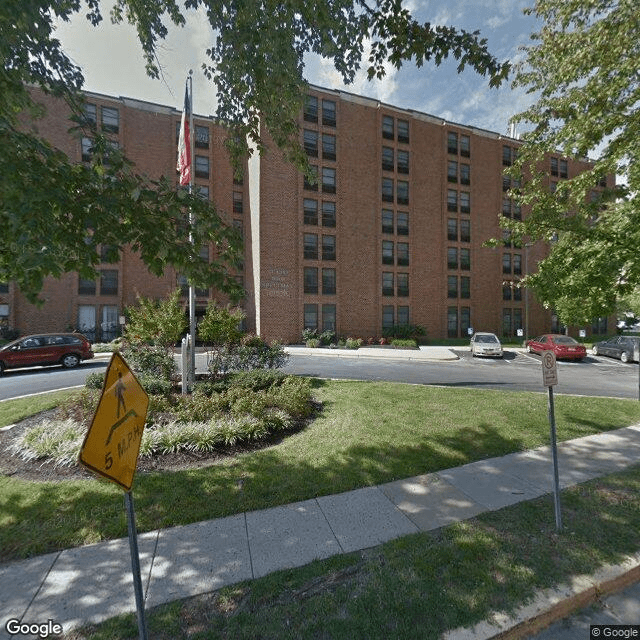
(368, 433)
(12, 411)
(418, 586)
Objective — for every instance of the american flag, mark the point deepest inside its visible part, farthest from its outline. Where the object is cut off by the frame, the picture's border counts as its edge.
(184, 143)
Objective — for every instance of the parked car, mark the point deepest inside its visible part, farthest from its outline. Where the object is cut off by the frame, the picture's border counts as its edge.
(486, 344)
(565, 347)
(622, 347)
(66, 349)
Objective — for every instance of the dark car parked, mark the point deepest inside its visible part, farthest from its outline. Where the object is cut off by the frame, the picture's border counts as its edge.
(622, 347)
(66, 349)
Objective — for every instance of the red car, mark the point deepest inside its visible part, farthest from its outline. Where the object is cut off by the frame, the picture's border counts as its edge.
(565, 347)
(66, 349)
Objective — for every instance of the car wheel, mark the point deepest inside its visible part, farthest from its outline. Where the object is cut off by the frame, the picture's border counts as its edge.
(624, 357)
(70, 360)
(594, 349)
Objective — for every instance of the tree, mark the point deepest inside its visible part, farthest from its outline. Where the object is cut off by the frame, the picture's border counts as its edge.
(585, 71)
(53, 214)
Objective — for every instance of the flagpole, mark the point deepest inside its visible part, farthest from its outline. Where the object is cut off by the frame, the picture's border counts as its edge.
(192, 291)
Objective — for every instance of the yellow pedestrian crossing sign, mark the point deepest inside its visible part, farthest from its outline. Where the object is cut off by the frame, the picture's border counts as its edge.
(112, 443)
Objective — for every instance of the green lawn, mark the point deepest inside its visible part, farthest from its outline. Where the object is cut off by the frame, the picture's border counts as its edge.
(418, 586)
(368, 433)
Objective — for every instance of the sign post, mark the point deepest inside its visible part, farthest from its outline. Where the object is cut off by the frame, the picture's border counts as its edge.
(549, 379)
(111, 449)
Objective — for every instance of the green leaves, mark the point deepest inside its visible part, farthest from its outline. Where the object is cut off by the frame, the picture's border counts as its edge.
(585, 69)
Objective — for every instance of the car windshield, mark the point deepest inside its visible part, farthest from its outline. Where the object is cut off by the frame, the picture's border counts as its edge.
(488, 337)
(565, 340)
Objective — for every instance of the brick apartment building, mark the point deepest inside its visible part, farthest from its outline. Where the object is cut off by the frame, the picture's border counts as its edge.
(391, 233)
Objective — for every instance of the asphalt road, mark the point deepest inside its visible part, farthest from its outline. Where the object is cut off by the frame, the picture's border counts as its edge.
(518, 371)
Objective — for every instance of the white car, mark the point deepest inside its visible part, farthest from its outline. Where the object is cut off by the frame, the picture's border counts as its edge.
(486, 344)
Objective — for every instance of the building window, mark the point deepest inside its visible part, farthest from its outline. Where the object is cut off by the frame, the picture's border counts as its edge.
(452, 258)
(387, 190)
(86, 287)
(310, 139)
(452, 171)
(506, 263)
(311, 182)
(402, 223)
(452, 230)
(310, 208)
(403, 192)
(403, 254)
(202, 137)
(465, 287)
(517, 211)
(90, 114)
(329, 113)
(465, 174)
(328, 146)
(87, 149)
(328, 281)
(465, 146)
(564, 169)
(506, 290)
(328, 214)
(108, 253)
(452, 200)
(506, 156)
(110, 120)
(310, 246)
(517, 293)
(465, 259)
(328, 247)
(311, 316)
(239, 227)
(452, 286)
(387, 252)
(465, 320)
(328, 317)
(403, 131)
(388, 130)
(403, 161)
(506, 322)
(403, 284)
(452, 142)
(328, 180)
(387, 316)
(237, 202)
(403, 316)
(599, 326)
(202, 190)
(202, 167)
(387, 221)
(108, 282)
(465, 202)
(387, 159)
(311, 111)
(310, 280)
(554, 166)
(517, 264)
(452, 322)
(465, 231)
(506, 207)
(387, 283)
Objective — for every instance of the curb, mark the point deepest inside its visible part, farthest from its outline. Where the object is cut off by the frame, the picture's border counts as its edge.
(553, 604)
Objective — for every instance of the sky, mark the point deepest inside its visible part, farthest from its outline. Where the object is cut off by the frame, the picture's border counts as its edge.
(112, 63)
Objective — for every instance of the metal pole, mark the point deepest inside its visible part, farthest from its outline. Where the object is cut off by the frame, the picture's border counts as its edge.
(135, 565)
(554, 453)
(526, 293)
(192, 292)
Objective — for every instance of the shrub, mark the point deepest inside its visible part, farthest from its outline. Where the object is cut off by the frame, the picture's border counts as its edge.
(257, 379)
(313, 343)
(397, 342)
(220, 325)
(353, 343)
(404, 331)
(155, 385)
(252, 353)
(292, 396)
(309, 334)
(154, 361)
(95, 380)
(327, 337)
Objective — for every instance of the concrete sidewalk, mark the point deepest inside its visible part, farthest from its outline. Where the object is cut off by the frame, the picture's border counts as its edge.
(93, 583)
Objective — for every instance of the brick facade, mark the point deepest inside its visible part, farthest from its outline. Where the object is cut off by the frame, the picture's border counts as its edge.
(392, 233)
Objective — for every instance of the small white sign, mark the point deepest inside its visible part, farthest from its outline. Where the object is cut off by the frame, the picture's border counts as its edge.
(582, 333)
(469, 331)
(520, 333)
(549, 369)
